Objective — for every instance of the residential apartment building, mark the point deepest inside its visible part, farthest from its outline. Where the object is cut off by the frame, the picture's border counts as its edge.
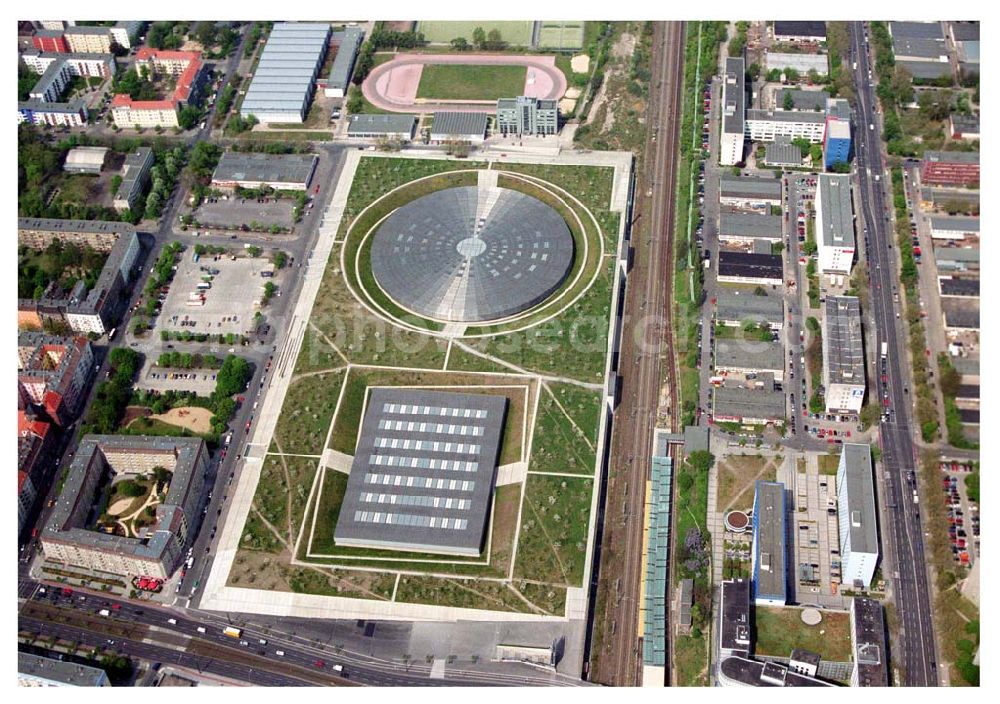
(50, 40)
(135, 175)
(52, 84)
(71, 539)
(524, 116)
(38, 671)
(53, 373)
(859, 553)
(184, 66)
(41, 113)
(85, 65)
(36, 443)
(835, 235)
(733, 113)
(84, 311)
(126, 33)
(88, 40)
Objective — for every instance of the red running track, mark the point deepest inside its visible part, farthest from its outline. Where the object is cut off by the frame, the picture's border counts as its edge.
(393, 85)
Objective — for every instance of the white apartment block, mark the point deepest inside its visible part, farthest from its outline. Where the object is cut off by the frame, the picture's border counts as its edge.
(859, 553)
(766, 125)
(126, 116)
(835, 237)
(88, 40)
(733, 111)
(85, 65)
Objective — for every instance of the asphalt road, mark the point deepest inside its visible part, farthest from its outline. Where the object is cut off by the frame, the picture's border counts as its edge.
(916, 653)
(342, 646)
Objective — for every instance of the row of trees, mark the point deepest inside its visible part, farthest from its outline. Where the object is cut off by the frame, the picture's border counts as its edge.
(481, 40)
(187, 360)
(112, 396)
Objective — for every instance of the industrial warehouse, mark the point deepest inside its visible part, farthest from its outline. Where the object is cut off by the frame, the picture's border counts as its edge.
(285, 78)
(282, 172)
(423, 474)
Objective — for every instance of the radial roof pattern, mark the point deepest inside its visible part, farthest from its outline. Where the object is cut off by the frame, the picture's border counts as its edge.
(471, 254)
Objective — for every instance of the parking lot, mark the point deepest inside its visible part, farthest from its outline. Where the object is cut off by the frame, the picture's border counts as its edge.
(963, 514)
(200, 381)
(228, 301)
(816, 536)
(233, 212)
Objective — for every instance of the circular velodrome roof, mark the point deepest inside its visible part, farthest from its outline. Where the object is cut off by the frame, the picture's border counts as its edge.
(471, 254)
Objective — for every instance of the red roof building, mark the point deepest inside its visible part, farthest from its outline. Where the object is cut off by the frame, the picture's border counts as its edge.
(53, 372)
(50, 40)
(184, 65)
(950, 168)
(34, 447)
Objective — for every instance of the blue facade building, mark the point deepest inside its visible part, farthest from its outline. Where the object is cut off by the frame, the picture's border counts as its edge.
(837, 137)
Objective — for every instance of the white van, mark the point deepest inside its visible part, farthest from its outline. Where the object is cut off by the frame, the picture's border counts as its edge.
(280, 653)
(201, 629)
(172, 621)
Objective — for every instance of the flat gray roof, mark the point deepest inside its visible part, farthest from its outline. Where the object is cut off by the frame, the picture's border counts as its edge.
(747, 354)
(801, 99)
(755, 673)
(472, 124)
(739, 402)
(959, 287)
(916, 30)
(348, 42)
(800, 62)
(770, 580)
(734, 96)
(297, 46)
(58, 225)
(843, 348)
(938, 195)
(952, 157)
(744, 305)
(134, 172)
(423, 472)
(923, 48)
(965, 123)
(384, 124)
(965, 31)
(268, 168)
(838, 108)
(856, 482)
(956, 254)
(68, 673)
(947, 223)
(750, 225)
(798, 28)
(926, 70)
(760, 267)
(836, 227)
(961, 313)
(786, 116)
(749, 187)
(781, 152)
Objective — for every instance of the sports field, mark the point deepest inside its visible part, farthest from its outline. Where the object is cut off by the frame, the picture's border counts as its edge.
(471, 82)
(561, 35)
(515, 33)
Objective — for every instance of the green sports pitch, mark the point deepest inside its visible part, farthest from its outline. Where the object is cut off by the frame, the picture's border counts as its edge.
(471, 82)
(515, 33)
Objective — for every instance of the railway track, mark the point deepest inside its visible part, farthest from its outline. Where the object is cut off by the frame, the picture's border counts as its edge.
(646, 341)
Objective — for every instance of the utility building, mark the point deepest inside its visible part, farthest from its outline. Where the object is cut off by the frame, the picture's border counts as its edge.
(871, 667)
(835, 224)
(733, 113)
(843, 355)
(856, 516)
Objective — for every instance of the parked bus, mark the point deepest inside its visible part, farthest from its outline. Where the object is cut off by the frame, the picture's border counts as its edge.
(885, 350)
(232, 632)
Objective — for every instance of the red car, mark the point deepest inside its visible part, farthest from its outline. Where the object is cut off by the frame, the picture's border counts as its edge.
(319, 663)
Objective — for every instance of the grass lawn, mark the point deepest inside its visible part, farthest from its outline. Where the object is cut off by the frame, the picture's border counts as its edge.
(462, 593)
(554, 520)
(738, 475)
(471, 82)
(780, 630)
(828, 464)
(307, 411)
(691, 660)
(282, 492)
(460, 360)
(559, 445)
(515, 33)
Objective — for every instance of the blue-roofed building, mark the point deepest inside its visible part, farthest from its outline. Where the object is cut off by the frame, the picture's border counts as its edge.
(837, 140)
(768, 556)
(653, 606)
